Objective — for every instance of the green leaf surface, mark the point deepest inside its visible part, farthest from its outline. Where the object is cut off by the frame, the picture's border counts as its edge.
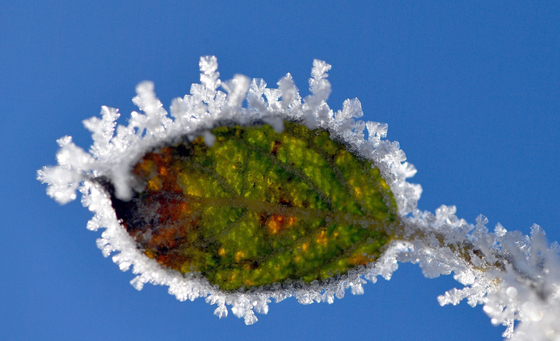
(259, 207)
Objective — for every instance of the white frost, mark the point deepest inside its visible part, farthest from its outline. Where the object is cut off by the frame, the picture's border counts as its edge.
(515, 277)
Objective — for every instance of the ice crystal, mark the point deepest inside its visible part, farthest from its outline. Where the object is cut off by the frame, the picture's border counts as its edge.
(515, 277)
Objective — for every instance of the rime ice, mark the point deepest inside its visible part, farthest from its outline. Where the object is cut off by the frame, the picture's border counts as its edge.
(515, 277)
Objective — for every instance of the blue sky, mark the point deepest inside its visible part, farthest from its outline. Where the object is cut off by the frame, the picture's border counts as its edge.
(471, 90)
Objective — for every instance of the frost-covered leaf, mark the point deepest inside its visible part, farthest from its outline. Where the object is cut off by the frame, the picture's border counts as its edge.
(255, 194)
(259, 207)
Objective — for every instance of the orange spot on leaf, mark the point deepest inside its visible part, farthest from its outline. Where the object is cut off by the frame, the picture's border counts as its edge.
(322, 238)
(277, 223)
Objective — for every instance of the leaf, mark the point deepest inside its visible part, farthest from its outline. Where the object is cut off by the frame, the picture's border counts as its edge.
(259, 207)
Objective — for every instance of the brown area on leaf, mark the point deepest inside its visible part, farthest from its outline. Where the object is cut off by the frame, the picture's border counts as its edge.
(278, 223)
(275, 147)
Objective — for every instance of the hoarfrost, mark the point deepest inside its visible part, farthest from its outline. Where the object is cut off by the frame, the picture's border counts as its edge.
(515, 277)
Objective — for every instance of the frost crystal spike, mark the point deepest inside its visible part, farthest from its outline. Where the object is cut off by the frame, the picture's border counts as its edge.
(258, 194)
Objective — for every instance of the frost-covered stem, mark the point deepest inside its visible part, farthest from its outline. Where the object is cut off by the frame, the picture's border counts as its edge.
(516, 277)
(463, 248)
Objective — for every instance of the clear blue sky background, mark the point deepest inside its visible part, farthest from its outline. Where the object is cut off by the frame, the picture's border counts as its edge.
(471, 90)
